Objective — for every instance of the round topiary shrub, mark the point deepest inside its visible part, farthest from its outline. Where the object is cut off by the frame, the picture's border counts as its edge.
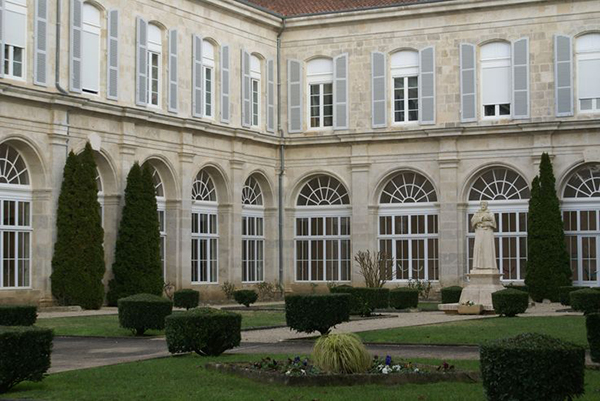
(404, 298)
(451, 295)
(364, 300)
(186, 298)
(341, 353)
(143, 312)
(592, 325)
(245, 297)
(510, 302)
(18, 315)
(24, 354)
(586, 301)
(564, 294)
(532, 367)
(205, 331)
(310, 313)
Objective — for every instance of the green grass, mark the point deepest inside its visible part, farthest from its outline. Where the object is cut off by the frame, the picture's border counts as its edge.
(428, 306)
(570, 328)
(108, 325)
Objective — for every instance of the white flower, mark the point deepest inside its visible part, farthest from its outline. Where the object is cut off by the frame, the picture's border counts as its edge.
(303, 371)
(386, 370)
(416, 370)
(289, 372)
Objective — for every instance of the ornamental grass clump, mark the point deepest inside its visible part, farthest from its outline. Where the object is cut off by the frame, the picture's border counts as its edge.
(341, 353)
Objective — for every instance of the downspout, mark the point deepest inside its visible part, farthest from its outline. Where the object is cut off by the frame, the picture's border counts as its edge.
(57, 64)
(281, 154)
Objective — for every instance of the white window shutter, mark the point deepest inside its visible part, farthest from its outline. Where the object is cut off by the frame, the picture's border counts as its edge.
(141, 82)
(112, 64)
(427, 86)
(40, 55)
(197, 82)
(340, 92)
(294, 96)
(563, 75)
(225, 82)
(172, 71)
(520, 78)
(246, 90)
(270, 95)
(76, 33)
(378, 90)
(2, 38)
(468, 79)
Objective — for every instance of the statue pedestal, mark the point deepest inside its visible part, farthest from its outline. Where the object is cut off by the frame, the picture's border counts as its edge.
(482, 283)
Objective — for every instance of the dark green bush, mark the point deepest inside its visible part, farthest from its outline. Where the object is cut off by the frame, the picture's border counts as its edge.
(18, 315)
(245, 297)
(564, 294)
(364, 300)
(205, 331)
(403, 298)
(187, 298)
(532, 367)
(523, 288)
(592, 324)
(24, 354)
(586, 301)
(310, 313)
(143, 312)
(451, 295)
(510, 302)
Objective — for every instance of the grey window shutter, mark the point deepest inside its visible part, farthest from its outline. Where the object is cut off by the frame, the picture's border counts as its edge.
(246, 90)
(468, 79)
(427, 86)
(141, 82)
(340, 91)
(294, 96)
(40, 55)
(2, 38)
(197, 83)
(172, 71)
(112, 74)
(563, 75)
(270, 95)
(225, 82)
(520, 78)
(378, 90)
(76, 32)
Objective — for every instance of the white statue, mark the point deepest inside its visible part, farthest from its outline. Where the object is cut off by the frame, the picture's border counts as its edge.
(484, 250)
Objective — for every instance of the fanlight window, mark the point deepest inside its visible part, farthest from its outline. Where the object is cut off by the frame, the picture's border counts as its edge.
(12, 167)
(584, 183)
(251, 193)
(499, 184)
(323, 191)
(203, 188)
(408, 187)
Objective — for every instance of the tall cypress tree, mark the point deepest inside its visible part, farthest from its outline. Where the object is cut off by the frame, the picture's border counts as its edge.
(547, 257)
(78, 260)
(137, 267)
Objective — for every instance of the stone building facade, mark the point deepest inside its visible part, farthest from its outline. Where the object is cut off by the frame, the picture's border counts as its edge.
(284, 143)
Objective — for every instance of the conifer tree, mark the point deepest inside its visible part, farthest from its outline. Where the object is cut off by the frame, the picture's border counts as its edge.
(137, 267)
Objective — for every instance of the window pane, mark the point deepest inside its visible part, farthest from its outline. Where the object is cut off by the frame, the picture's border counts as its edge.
(586, 104)
(505, 109)
(489, 110)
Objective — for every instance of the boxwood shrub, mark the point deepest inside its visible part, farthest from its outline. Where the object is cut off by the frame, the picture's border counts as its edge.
(523, 288)
(510, 302)
(592, 325)
(364, 300)
(451, 295)
(245, 297)
(404, 298)
(310, 313)
(564, 294)
(586, 300)
(24, 354)
(17, 315)
(143, 312)
(205, 331)
(186, 298)
(532, 367)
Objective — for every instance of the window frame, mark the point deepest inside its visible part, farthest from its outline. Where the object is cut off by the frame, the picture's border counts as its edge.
(154, 49)
(256, 214)
(96, 30)
(586, 55)
(481, 67)
(14, 6)
(322, 95)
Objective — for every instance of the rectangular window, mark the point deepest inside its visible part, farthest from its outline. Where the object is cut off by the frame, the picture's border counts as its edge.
(15, 39)
(208, 92)
(406, 99)
(252, 249)
(255, 102)
(15, 243)
(321, 105)
(204, 247)
(154, 67)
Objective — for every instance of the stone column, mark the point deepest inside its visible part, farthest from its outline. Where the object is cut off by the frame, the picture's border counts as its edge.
(363, 238)
(187, 172)
(238, 173)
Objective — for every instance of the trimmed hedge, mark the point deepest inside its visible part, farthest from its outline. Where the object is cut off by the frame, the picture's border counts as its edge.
(24, 355)
(510, 302)
(564, 294)
(592, 325)
(523, 288)
(586, 301)
(532, 367)
(310, 313)
(451, 295)
(143, 312)
(364, 300)
(186, 298)
(245, 297)
(18, 315)
(404, 298)
(205, 331)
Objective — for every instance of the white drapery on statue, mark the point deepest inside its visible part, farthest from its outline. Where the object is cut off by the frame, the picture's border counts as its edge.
(484, 250)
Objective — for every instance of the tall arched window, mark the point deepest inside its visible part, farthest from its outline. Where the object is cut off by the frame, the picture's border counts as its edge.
(253, 238)
(161, 207)
(208, 73)
(588, 65)
(90, 49)
(496, 84)
(581, 211)
(323, 231)
(154, 64)
(15, 41)
(507, 194)
(15, 222)
(408, 227)
(405, 85)
(319, 77)
(204, 229)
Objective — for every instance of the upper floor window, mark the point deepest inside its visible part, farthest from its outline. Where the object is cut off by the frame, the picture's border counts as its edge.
(588, 65)
(319, 76)
(90, 49)
(496, 85)
(405, 86)
(154, 64)
(208, 74)
(255, 89)
(15, 40)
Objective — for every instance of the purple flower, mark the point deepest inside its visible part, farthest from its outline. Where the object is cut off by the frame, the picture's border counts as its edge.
(297, 359)
(388, 360)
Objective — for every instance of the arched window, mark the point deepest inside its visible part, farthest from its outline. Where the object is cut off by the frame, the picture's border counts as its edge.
(15, 222)
(319, 77)
(581, 211)
(507, 194)
(253, 238)
(90, 49)
(15, 40)
(255, 78)
(161, 208)
(405, 85)
(408, 227)
(205, 235)
(208, 66)
(588, 65)
(154, 64)
(323, 231)
(496, 84)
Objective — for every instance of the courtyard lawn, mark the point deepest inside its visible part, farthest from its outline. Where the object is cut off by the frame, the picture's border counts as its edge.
(569, 328)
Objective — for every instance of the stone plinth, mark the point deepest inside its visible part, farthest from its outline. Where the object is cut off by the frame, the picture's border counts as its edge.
(482, 283)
